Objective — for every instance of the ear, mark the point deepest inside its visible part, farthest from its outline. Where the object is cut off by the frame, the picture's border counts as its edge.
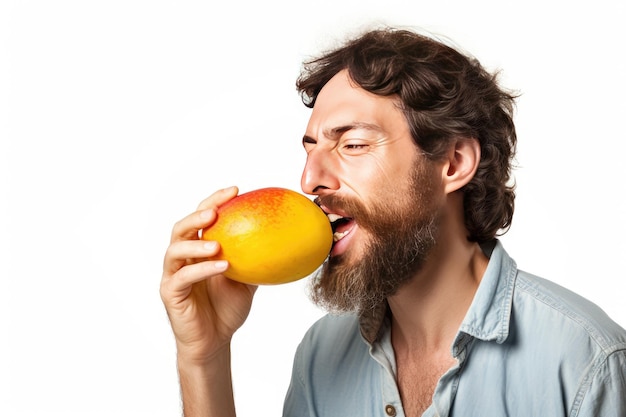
(461, 164)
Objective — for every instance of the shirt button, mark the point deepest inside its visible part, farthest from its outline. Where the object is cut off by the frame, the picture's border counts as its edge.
(390, 410)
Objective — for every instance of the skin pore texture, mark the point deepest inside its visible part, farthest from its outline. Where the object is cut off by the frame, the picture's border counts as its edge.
(405, 221)
(402, 216)
(388, 223)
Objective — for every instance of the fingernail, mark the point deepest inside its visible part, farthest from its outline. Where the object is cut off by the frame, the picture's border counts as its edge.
(210, 245)
(220, 265)
(229, 189)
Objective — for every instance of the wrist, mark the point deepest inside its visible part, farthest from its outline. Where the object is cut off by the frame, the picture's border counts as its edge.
(206, 384)
(189, 357)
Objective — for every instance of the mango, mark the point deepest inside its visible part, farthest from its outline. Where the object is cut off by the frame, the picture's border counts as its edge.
(271, 236)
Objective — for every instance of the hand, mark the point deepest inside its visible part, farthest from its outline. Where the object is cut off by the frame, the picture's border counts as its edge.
(204, 307)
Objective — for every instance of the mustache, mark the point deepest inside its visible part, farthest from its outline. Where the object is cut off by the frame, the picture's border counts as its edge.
(352, 207)
(367, 216)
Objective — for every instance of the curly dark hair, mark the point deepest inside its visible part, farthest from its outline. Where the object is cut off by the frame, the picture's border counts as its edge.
(445, 95)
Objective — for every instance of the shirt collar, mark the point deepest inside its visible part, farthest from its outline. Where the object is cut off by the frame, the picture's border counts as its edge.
(489, 314)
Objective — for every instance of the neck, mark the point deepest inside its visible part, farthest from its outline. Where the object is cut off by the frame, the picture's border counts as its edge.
(427, 311)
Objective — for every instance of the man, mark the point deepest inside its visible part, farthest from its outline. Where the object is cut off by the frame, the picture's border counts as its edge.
(409, 149)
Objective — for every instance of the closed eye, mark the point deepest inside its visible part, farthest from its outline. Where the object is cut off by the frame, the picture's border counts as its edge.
(355, 148)
(308, 142)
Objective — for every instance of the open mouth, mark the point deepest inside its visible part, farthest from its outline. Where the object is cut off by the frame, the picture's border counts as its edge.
(341, 226)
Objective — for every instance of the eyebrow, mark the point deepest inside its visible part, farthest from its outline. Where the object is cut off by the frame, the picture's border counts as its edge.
(335, 132)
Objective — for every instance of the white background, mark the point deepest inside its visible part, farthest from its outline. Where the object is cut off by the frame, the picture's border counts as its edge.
(119, 116)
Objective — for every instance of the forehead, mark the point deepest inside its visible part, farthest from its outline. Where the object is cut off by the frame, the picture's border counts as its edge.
(342, 102)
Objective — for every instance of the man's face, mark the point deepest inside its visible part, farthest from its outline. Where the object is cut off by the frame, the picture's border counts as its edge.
(379, 192)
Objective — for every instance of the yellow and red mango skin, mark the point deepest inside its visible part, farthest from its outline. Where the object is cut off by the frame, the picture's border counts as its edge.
(271, 236)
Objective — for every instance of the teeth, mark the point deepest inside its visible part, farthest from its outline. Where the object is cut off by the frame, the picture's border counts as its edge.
(333, 217)
(337, 236)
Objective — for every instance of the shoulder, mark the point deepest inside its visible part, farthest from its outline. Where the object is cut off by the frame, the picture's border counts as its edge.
(332, 332)
(332, 357)
(332, 345)
(543, 303)
(577, 339)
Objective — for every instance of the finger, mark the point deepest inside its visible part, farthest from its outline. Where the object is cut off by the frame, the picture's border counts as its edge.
(184, 252)
(176, 288)
(218, 198)
(188, 227)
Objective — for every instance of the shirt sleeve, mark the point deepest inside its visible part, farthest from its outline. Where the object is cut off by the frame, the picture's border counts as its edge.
(296, 404)
(606, 393)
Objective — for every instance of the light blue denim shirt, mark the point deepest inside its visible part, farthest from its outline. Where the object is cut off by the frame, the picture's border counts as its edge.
(527, 347)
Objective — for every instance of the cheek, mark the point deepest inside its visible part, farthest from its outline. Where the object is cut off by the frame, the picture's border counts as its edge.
(378, 172)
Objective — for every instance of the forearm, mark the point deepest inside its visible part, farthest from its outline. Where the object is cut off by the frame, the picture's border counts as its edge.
(206, 389)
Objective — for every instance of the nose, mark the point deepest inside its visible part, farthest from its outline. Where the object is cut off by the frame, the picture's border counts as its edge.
(320, 173)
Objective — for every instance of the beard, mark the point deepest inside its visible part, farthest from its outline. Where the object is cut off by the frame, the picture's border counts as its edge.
(401, 233)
